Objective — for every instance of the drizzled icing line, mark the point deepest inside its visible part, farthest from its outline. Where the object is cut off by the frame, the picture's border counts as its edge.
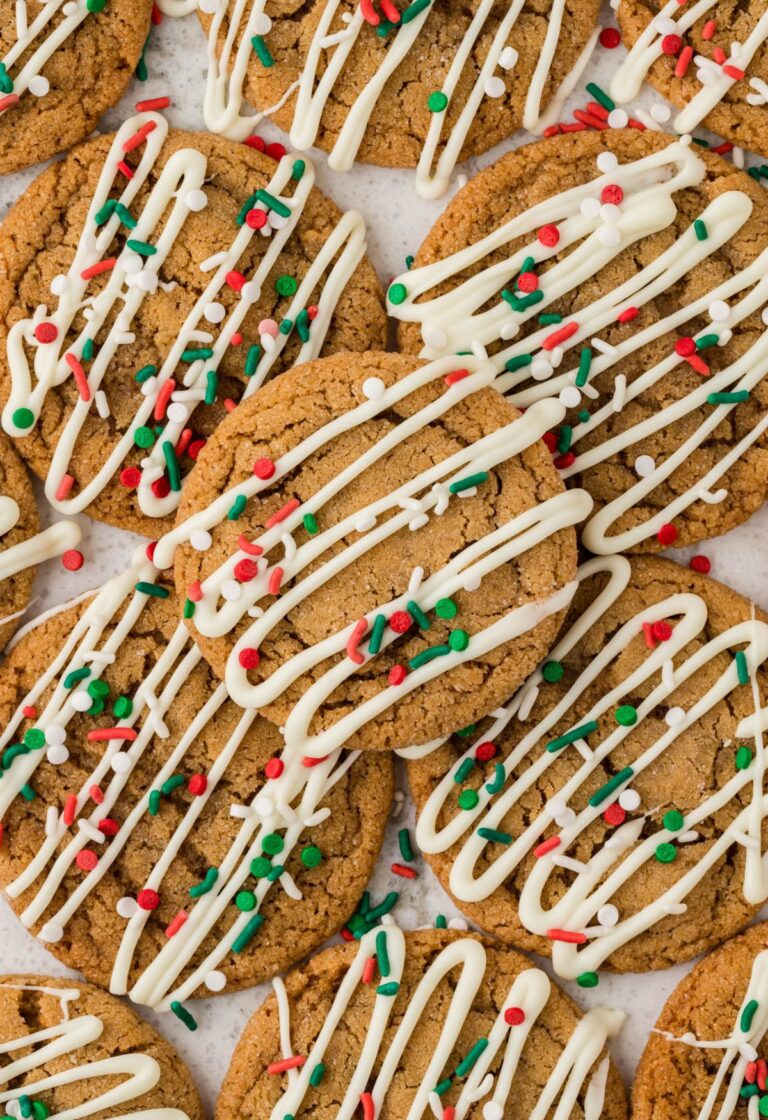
(137, 1073)
(42, 546)
(49, 32)
(586, 235)
(285, 804)
(216, 615)
(529, 993)
(133, 278)
(238, 22)
(716, 78)
(626, 850)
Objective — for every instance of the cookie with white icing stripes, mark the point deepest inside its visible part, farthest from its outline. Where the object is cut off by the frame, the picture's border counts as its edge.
(148, 283)
(706, 1057)
(612, 814)
(709, 58)
(423, 1024)
(624, 274)
(156, 837)
(373, 550)
(410, 84)
(62, 64)
(72, 1050)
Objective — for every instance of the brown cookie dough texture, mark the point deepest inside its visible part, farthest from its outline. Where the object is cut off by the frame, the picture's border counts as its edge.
(698, 763)
(32, 1004)
(14, 483)
(38, 241)
(348, 840)
(733, 117)
(538, 172)
(250, 1093)
(289, 410)
(86, 74)
(401, 117)
(674, 1078)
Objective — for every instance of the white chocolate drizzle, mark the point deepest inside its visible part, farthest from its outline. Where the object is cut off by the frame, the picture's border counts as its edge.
(49, 30)
(41, 547)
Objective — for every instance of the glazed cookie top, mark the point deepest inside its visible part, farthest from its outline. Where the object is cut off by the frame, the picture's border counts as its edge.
(420, 1024)
(73, 1050)
(419, 84)
(709, 58)
(158, 838)
(62, 64)
(150, 281)
(624, 274)
(373, 549)
(611, 813)
(706, 1058)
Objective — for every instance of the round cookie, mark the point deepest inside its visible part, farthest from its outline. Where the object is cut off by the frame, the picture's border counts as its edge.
(710, 61)
(606, 815)
(160, 841)
(405, 1021)
(150, 281)
(373, 549)
(624, 273)
(453, 82)
(83, 1053)
(706, 1057)
(61, 67)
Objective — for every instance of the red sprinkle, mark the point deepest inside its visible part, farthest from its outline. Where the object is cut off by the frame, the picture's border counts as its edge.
(612, 194)
(627, 315)
(152, 104)
(264, 468)
(197, 785)
(275, 579)
(700, 564)
(256, 219)
(73, 560)
(358, 632)
(397, 674)
(139, 137)
(255, 142)
(96, 795)
(130, 477)
(550, 439)
(123, 166)
(403, 871)
(558, 336)
(590, 119)
(64, 487)
(46, 332)
(667, 534)
(485, 751)
(369, 1108)
(369, 970)
(195, 591)
(569, 936)
(9, 100)
(671, 44)
(610, 38)
(236, 280)
(346, 934)
(697, 363)
(248, 546)
(309, 762)
(514, 1016)
(70, 808)
(546, 846)
(246, 570)
(615, 815)
(709, 29)
(650, 641)
(662, 631)
(275, 151)
(733, 72)
(456, 375)
(176, 924)
(527, 281)
(107, 734)
(86, 860)
(285, 1064)
(400, 622)
(108, 826)
(684, 347)
(274, 768)
(29, 712)
(683, 62)
(549, 236)
(163, 398)
(98, 268)
(564, 461)
(148, 899)
(249, 658)
(78, 373)
(283, 513)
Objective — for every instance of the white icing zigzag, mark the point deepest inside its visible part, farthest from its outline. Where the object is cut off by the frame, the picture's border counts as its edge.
(529, 995)
(285, 805)
(168, 394)
(67, 15)
(242, 22)
(428, 494)
(585, 913)
(43, 546)
(586, 227)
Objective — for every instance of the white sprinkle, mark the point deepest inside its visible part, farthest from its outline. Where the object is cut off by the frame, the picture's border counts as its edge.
(619, 392)
(264, 805)
(508, 58)
(665, 26)
(422, 520)
(608, 915)
(590, 207)
(39, 85)
(609, 212)
(323, 814)
(629, 799)
(373, 388)
(570, 396)
(363, 524)
(607, 161)
(81, 701)
(458, 923)
(262, 24)
(555, 806)
(566, 818)
(495, 87)
(541, 368)
(414, 583)
(200, 539)
(674, 717)
(290, 888)
(176, 413)
(59, 285)
(688, 837)
(618, 118)
(492, 1110)
(196, 200)
(764, 315)
(240, 812)
(57, 754)
(471, 583)
(121, 763)
(661, 112)
(569, 864)
(51, 820)
(102, 404)
(215, 312)
(213, 262)
(674, 907)
(51, 931)
(231, 590)
(215, 981)
(644, 465)
(55, 734)
(127, 907)
(91, 831)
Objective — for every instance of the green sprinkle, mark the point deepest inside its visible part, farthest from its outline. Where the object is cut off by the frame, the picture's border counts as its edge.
(40, 1110)
(317, 1075)
(467, 731)
(206, 885)
(181, 1013)
(413, 10)
(390, 989)
(468, 799)
(125, 216)
(172, 465)
(87, 351)
(275, 872)
(440, 922)
(152, 589)
(154, 802)
(738, 397)
(743, 758)
(105, 213)
(499, 778)
(458, 640)
(706, 340)
(309, 522)
(446, 608)
(298, 169)
(23, 418)
(747, 1015)
(417, 614)
(466, 1064)
(262, 51)
(376, 912)
(571, 736)
(428, 655)
(25, 1106)
(583, 415)
(28, 793)
(443, 1086)
(742, 669)
(199, 353)
(437, 102)
(273, 203)
(522, 303)
(409, 261)
(98, 689)
(311, 856)
(189, 608)
(605, 791)
(404, 843)
(468, 482)
(700, 229)
(143, 248)
(34, 738)
(302, 325)
(76, 675)
(464, 769)
(211, 385)
(273, 843)
(286, 285)
(397, 293)
(520, 362)
(626, 715)
(285, 326)
(172, 784)
(248, 931)
(747, 1091)
(565, 439)
(601, 97)
(145, 373)
(673, 820)
(252, 360)
(587, 980)
(377, 633)
(245, 901)
(550, 319)
(762, 1107)
(666, 853)
(12, 752)
(237, 507)
(141, 71)
(260, 867)
(144, 437)
(552, 671)
(96, 708)
(494, 835)
(382, 956)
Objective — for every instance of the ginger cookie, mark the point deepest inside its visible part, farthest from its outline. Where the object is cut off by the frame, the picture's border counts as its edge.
(73, 1050)
(419, 1024)
(706, 1057)
(149, 282)
(623, 273)
(61, 66)
(420, 84)
(709, 59)
(611, 814)
(158, 838)
(372, 549)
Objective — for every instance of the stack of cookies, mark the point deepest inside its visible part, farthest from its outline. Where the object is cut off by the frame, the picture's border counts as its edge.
(403, 592)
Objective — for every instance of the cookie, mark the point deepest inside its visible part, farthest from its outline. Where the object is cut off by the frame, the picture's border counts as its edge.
(417, 1024)
(624, 274)
(84, 1053)
(710, 60)
(149, 282)
(422, 85)
(607, 815)
(157, 838)
(706, 1057)
(61, 67)
(372, 549)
